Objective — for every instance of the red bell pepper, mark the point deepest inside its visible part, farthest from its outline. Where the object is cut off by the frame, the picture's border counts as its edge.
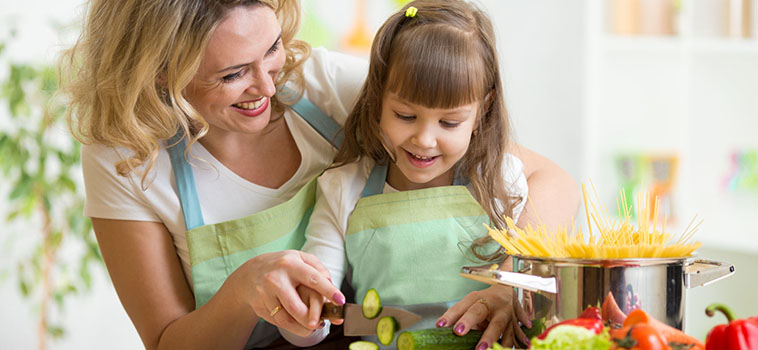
(592, 312)
(592, 324)
(735, 335)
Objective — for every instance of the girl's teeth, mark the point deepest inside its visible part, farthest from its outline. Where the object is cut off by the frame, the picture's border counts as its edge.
(420, 157)
(250, 105)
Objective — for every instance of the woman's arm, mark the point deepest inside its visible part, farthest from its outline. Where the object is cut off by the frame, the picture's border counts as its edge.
(149, 280)
(554, 196)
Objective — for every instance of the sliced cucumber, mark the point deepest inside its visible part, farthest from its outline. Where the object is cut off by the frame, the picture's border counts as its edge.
(372, 305)
(363, 345)
(385, 330)
(437, 339)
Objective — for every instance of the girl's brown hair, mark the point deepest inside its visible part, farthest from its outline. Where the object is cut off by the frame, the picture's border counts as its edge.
(125, 76)
(443, 57)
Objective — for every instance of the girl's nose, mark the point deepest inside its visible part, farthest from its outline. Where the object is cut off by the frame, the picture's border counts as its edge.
(425, 137)
(262, 82)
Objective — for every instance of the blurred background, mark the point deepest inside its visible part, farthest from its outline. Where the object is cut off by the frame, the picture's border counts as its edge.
(635, 95)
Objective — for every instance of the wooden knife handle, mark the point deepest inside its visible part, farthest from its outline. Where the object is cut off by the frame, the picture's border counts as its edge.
(332, 311)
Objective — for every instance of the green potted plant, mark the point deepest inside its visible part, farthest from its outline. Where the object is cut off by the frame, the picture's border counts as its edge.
(39, 162)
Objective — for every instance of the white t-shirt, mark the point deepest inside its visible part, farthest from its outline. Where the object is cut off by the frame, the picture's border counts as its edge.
(339, 190)
(333, 81)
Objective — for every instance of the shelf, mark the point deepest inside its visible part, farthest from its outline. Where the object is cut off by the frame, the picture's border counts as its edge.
(619, 43)
(725, 45)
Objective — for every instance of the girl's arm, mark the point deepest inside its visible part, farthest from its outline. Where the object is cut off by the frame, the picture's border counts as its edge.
(149, 280)
(325, 238)
(554, 196)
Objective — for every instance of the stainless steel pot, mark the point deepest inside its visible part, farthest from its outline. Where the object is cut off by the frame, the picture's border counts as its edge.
(557, 289)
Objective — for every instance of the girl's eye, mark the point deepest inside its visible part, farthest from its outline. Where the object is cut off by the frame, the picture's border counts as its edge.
(232, 77)
(405, 117)
(449, 125)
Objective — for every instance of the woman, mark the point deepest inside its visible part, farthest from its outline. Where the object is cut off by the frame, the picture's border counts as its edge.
(198, 172)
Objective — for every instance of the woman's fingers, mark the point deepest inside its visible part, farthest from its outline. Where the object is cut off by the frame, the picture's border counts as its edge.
(313, 274)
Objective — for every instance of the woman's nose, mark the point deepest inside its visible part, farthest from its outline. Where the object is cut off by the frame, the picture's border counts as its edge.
(262, 82)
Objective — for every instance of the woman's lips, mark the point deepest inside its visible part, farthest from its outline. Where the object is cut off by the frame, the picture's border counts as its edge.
(421, 162)
(252, 108)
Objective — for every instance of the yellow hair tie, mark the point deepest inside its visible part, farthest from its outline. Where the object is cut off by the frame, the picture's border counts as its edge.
(411, 12)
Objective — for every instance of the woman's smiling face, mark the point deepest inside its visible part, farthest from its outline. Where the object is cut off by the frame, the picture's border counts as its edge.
(426, 142)
(235, 80)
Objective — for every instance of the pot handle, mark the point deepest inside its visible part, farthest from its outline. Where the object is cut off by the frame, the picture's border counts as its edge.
(514, 279)
(702, 272)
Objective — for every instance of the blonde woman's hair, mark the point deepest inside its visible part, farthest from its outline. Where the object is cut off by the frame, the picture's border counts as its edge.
(125, 76)
(443, 57)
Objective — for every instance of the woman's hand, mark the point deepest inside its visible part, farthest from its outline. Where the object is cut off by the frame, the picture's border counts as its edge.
(269, 284)
(492, 310)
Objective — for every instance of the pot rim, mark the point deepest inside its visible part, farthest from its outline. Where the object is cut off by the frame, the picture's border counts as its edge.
(605, 262)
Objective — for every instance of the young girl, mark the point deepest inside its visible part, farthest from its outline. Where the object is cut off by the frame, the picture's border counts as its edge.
(425, 162)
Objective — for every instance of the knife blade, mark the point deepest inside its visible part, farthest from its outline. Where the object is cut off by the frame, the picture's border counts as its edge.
(356, 324)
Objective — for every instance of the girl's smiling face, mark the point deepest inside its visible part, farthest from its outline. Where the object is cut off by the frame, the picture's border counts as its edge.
(425, 142)
(235, 80)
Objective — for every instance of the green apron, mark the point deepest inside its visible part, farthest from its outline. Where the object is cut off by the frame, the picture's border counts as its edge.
(217, 250)
(410, 245)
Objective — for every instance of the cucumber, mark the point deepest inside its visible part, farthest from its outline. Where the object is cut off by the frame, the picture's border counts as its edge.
(363, 345)
(437, 338)
(385, 330)
(372, 305)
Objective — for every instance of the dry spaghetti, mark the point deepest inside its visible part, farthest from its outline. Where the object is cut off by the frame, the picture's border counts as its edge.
(613, 238)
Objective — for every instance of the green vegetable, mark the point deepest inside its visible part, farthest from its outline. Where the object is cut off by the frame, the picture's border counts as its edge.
(363, 345)
(438, 339)
(567, 337)
(385, 329)
(496, 346)
(538, 326)
(372, 305)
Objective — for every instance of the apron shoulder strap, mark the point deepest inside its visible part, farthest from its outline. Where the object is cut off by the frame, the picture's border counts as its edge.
(376, 180)
(185, 181)
(327, 127)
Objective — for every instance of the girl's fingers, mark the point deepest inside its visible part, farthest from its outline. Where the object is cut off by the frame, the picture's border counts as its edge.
(314, 309)
(521, 314)
(455, 312)
(508, 334)
(492, 332)
(520, 335)
(475, 315)
(274, 313)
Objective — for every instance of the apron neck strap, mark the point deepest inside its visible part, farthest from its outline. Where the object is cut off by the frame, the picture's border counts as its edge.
(378, 176)
(327, 127)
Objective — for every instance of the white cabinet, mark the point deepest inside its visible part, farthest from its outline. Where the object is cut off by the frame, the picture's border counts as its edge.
(691, 92)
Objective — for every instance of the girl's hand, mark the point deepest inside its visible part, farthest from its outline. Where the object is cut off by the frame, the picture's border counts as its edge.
(269, 284)
(492, 310)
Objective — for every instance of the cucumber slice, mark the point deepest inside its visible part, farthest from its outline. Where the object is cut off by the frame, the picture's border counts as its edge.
(372, 305)
(385, 330)
(363, 345)
(437, 339)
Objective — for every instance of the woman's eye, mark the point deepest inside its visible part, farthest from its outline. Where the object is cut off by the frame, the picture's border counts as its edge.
(274, 48)
(232, 77)
(404, 117)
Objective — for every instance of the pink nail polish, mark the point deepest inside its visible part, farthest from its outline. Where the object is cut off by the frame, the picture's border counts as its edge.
(528, 323)
(338, 299)
(482, 346)
(441, 323)
(459, 329)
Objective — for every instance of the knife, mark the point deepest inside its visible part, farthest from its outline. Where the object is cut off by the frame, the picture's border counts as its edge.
(356, 324)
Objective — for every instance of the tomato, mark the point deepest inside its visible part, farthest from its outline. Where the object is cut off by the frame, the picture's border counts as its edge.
(639, 336)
